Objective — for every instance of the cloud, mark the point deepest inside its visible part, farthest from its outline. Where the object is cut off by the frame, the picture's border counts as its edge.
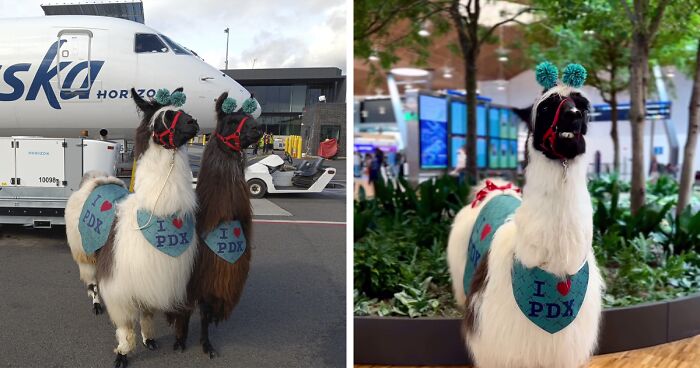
(277, 33)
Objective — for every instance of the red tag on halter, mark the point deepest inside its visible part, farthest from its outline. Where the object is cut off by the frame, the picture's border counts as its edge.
(170, 132)
(235, 137)
(550, 135)
(490, 187)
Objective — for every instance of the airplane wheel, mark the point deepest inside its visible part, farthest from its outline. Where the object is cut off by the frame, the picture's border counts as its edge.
(257, 188)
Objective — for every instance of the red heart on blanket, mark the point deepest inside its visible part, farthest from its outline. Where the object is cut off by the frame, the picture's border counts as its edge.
(237, 232)
(485, 232)
(563, 287)
(106, 206)
(177, 222)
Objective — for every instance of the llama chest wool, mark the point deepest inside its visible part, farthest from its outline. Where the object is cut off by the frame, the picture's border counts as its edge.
(98, 214)
(171, 235)
(227, 241)
(550, 302)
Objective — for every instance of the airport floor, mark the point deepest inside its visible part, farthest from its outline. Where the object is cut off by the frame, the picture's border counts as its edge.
(292, 313)
(680, 354)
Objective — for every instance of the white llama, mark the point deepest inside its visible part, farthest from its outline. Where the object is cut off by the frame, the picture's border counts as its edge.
(525, 272)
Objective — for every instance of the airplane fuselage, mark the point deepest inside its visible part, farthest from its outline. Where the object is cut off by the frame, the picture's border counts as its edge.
(60, 75)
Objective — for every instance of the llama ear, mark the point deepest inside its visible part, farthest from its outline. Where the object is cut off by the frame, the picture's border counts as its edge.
(524, 114)
(142, 104)
(219, 103)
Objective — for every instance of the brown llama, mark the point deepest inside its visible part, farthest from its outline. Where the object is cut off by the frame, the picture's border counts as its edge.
(224, 253)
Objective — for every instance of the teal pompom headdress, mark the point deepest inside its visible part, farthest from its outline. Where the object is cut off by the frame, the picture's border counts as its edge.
(249, 106)
(176, 99)
(229, 105)
(546, 74)
(574, 75)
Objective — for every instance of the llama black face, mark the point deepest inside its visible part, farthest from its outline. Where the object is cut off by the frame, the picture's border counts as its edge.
(560, 126)
(249, 133)
(185, 128)
(157, 127)
(228, 123)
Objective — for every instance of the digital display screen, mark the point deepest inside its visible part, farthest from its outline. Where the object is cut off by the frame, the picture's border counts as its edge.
(494, 123)
(513, 154)
(481, 120)
(458, 117)
(494, 148)
(433, 132)
(456, 144)
(481, 153)
(504, 154)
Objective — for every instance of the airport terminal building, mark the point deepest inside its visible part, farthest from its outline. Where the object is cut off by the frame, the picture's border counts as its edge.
(289, 96)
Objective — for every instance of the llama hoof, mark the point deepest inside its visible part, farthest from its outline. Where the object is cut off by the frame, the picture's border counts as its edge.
(209, 349)
(121, 361)
(179, 344)
(97, 308)
(150, 344)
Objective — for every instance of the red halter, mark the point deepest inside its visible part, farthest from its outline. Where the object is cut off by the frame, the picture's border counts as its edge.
(170, 132)
(550, 135)
(235, 137)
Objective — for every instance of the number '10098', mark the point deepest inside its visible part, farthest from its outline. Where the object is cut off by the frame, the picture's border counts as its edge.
(48, 179)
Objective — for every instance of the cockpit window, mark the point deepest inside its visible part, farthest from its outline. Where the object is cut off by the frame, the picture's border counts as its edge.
(148, 43)
(176, 47)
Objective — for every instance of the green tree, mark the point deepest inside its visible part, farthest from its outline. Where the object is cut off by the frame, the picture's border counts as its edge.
(593, 34)
(645, 17)
(381, 27)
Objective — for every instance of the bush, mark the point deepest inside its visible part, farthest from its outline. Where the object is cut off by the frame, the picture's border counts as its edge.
(401, 239)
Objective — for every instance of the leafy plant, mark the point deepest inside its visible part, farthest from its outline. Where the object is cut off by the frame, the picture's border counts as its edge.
(401, 269)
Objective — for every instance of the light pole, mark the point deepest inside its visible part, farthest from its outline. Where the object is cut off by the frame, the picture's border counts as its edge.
(226, 30)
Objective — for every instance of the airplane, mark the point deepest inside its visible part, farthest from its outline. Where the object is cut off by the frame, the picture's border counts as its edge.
(60, 75)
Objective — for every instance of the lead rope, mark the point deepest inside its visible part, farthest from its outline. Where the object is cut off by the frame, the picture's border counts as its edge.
(565, 164)
(155, 205)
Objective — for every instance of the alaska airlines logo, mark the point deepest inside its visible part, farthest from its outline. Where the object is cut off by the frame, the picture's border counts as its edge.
(46, 73)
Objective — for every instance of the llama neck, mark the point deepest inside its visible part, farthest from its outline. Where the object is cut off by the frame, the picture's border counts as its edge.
(177, 195)
(222, 189)
(555, 221)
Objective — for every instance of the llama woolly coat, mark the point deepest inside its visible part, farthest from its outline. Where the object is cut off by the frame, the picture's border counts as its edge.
(554, 222)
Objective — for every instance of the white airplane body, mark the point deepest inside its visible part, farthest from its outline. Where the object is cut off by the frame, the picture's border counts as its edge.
(63, 74)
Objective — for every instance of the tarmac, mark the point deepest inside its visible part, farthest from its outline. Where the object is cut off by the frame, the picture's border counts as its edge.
(292, 313)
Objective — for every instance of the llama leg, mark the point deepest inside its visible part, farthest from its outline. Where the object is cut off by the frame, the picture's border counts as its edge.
(126, 337)
(148, 330)
(205, 312)
(182, 326)
(88, 275)
(94, 293)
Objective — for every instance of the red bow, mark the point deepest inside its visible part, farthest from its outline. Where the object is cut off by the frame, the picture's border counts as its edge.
(490, 187)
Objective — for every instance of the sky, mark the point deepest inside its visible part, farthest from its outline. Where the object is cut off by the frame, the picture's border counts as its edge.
(268, 33)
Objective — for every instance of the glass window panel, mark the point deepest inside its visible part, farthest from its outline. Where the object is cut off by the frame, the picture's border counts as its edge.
(298, 98)
(148, 43)
(175, 46)
(285, 99)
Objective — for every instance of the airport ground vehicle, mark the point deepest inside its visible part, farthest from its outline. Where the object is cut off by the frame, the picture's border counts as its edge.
(272, 174)
(37, 175)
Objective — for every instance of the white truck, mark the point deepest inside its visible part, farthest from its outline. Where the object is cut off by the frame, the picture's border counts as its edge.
(37, 175)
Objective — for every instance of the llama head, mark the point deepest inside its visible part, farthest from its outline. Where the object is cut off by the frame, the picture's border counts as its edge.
(560, 117)
(234, 125)
(163, 121)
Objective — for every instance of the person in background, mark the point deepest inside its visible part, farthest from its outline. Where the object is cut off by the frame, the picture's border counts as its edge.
(398, 165)
(272, 143)
(255, 147)
(461, 166)
(266, 140)
(376, 165)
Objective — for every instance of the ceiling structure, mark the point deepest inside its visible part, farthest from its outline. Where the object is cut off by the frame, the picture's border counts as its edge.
(129, 10)
(488, 65)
